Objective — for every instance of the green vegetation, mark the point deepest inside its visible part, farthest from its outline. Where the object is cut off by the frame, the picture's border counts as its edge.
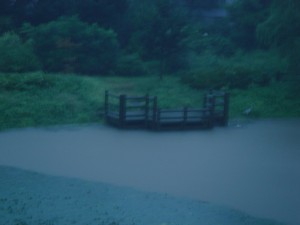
(163, 47)
(39, 99)
(238, 71)
(70, 45)
(16, 56)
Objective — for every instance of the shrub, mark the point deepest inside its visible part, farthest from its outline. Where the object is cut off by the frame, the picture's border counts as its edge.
(216, 44)
(25, 81)
(15, 55)
(205, 79)
(131, 65)
(239, 71)
(70, 45)
(263, 66)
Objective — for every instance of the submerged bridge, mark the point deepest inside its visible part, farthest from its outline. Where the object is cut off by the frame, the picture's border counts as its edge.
(143, 112)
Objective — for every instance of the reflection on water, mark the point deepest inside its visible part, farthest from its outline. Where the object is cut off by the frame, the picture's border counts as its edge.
(255, 168)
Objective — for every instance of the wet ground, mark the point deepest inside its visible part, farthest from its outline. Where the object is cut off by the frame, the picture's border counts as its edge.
(253, 167)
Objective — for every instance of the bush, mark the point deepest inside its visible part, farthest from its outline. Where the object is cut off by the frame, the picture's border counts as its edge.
(131, 65)
(25, 81)
(15, 55)
(70, 45)
(263, 66)
(258, 68)
(215, 44)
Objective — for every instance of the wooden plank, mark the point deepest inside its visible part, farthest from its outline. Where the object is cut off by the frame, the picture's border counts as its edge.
(172, 110)
(135, 98)
(135, 113)
(136, 104)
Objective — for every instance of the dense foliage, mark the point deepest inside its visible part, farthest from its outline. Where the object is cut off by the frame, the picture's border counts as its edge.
(16, 55)
(281, 30)
(209, 43)
(74, 46)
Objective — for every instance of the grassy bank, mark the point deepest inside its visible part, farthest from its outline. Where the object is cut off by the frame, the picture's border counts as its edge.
(39, 99)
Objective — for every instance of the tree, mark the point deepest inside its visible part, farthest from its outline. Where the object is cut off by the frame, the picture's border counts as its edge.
(107, 13)
(4, 6)
(70, 45)
(16, 56)
(244, 15)
(281, 30)
(44, 11)
(203, 4)
(163, 36)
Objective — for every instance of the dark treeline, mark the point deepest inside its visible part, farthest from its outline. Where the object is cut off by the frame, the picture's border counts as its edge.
(209, 43)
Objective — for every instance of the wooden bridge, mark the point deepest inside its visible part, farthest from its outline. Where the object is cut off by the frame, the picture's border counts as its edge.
(143, 112)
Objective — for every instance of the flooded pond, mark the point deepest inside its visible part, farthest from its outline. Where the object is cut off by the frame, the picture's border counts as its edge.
(254, 168)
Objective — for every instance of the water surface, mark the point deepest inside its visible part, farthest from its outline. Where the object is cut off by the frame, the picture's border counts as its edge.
(254, 168)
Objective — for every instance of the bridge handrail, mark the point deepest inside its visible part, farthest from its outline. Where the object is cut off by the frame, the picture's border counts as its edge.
(170, 110)
(135, 98)
(128, 109)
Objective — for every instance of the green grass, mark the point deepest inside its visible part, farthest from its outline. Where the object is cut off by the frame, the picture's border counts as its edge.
(275, 101)
(39, 99)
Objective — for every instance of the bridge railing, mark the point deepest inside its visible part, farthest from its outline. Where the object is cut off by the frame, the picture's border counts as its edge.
(218, 103)
(111, 104)
(183, 117)
(130, 109)
(124, 110)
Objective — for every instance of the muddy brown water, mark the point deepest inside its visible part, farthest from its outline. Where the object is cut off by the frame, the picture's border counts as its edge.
(254, 167)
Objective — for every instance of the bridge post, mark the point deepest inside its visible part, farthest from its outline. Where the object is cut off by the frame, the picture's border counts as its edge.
(185, 112)
(158, 119)
(154, 112)
(122, 110)
(147, 110)
(211, 103)
(226, 109)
